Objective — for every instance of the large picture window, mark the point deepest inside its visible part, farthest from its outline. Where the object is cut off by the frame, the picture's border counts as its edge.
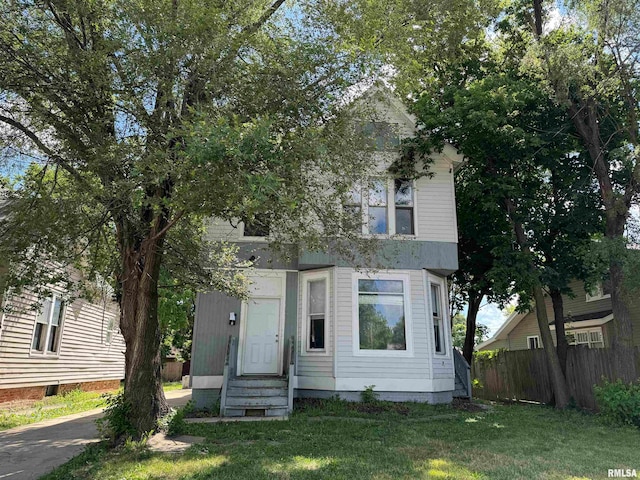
(46, 335)
(381, 314)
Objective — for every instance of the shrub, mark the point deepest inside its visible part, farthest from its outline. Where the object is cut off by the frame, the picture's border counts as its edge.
(173, 423)
(619, 402)
(368, 395)
(114, 424)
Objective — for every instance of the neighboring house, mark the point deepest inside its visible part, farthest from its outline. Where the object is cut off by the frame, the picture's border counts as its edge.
(588, 321)
(61, 347)
(351, 329)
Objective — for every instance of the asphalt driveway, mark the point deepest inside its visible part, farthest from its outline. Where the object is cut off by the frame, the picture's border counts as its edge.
(33, 450)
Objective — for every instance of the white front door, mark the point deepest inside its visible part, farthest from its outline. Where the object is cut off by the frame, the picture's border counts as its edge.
(261, 342)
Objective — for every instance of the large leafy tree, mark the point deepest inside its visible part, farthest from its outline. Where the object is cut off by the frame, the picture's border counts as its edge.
(589, 61)
(519, 184)
(147, 117)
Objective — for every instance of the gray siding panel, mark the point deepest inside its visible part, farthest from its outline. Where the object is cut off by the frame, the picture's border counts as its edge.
(211, 332)
(396, 254)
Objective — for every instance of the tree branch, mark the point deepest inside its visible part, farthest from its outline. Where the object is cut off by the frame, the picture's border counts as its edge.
(46, 150)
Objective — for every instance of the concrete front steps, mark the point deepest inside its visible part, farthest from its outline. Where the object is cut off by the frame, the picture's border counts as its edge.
(256, 396)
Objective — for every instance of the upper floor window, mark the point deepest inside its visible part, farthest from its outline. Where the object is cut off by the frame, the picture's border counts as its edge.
(385, 207)
(378, 206)
(46, 335)
(403, 190)
(258, 227)
(533, 342)
(601, 291)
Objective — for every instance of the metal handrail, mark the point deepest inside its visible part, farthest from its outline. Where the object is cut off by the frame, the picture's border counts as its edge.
(290, 365)
(462, 370)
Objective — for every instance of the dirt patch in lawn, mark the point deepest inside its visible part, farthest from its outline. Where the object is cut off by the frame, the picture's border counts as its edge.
(465, 405)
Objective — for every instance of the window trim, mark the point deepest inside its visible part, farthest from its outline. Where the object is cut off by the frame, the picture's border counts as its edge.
(537, 338)
(63, 313)
(598, 294)
(428, 279)
(401, 275)
(305, 279)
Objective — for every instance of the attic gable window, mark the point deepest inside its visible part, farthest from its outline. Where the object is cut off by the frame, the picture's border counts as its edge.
(384, 135)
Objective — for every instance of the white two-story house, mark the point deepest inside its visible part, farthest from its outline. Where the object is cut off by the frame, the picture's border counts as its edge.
(315, 326)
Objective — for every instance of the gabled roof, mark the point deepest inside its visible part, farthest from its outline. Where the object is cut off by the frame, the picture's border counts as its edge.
(510, 323)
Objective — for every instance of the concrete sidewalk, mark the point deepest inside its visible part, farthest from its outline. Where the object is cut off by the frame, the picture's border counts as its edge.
(33, 450)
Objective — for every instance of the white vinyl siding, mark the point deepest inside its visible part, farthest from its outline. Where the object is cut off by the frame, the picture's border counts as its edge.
(434, 208)
(82, 354)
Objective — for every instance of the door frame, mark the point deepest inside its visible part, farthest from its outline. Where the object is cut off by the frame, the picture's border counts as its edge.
(282, 277)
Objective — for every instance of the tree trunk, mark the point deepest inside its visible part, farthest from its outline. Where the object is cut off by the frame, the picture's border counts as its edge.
(622, 338)
(475, 299)
(141, 331)
(585, 119)
(558, 380)
(558, 320)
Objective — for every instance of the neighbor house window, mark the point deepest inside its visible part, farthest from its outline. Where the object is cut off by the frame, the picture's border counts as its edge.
(592, 338)
(378, 206)
(404, 207)
(438, 318)
(110, 329)
(381, 314)
(601, 291)
(257, 227)
(46, 335)
(533, 342)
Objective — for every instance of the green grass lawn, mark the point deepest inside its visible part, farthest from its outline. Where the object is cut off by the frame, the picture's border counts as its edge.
(413, 441)
(56, 406)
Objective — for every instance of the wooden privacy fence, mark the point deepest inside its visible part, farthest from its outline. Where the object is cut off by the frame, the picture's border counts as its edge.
(523, 374)
(171, 371)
